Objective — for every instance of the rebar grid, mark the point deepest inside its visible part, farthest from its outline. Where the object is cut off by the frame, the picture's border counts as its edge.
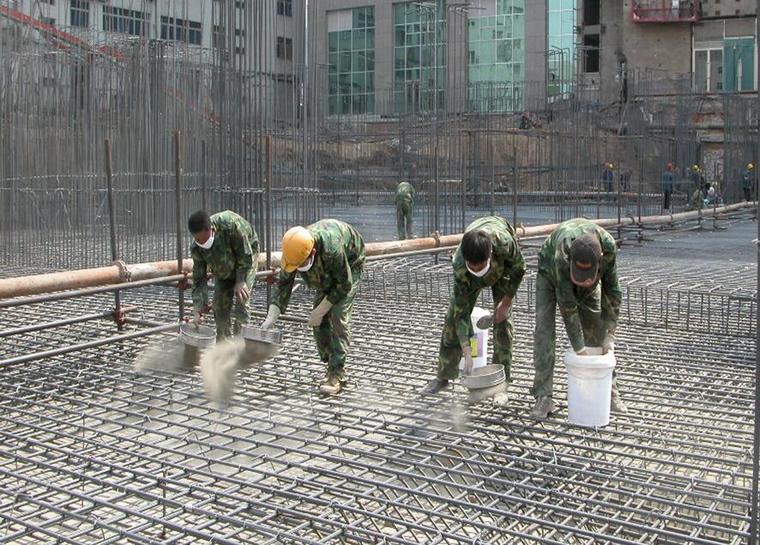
(95, 453)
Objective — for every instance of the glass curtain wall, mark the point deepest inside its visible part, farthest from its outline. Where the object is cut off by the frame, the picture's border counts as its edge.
(496, 41)
(351, 60)
(419, 55)
(560, 46)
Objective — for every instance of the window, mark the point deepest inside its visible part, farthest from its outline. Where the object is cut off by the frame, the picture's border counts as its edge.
(239, 41)
(181, 30)
(285, 7)
(218, 37)
(708, 70)
(126, 21)
(496, 46)
(48, 20)
(419, 55)
(284, 48)
(51, 2)
(591, 53)
(80, 13)
(351, 61)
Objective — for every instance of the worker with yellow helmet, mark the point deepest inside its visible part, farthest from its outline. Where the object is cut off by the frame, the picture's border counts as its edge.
(748, 181)
(329, 256)
(608, 176)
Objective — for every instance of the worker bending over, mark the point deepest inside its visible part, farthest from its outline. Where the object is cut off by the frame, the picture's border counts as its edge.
(225, 245)
(577, 272)
(488, 256)
(405, 194)
(329, 256)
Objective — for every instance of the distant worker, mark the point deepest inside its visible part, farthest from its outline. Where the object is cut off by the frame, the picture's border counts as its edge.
(405, 194)
(625, 179)
(488, 256)
(698, 190)
(668, 178)
(748, 182)
(329, 256)
(608, 176)
(225, 245)
(578, 273)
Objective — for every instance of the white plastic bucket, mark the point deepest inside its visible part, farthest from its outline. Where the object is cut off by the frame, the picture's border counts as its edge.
(589, 387)
(479, 342)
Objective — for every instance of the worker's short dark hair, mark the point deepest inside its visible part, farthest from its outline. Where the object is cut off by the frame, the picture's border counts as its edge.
(476, 246)
(198, 221)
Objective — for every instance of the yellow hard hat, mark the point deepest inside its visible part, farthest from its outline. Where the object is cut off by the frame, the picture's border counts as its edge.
(750, 166)
(297, 244)
(695, 168)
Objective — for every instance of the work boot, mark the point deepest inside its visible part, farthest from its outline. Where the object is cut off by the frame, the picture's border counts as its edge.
(544, 407)
(434, 386)
(617, 405)
(331, 386)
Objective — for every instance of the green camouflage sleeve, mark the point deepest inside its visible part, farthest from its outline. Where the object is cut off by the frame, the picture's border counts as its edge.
(568, 305)
(200, 280)
(337, 266)
(283, 290)
(513, 275)
(463, 299)
(612, 295)
(246, 250)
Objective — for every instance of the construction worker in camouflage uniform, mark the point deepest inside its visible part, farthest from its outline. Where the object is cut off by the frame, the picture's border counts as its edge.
(405, 194)
(578, 273)
(226, 245)
(329, 255)
(488, 256)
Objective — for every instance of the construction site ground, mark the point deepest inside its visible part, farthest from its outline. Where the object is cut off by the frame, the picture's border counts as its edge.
(93, 452)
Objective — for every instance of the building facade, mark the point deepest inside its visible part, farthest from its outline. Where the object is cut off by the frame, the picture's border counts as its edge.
(386, 58)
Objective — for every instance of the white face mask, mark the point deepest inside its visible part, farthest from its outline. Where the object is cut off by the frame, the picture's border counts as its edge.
(309, 264)
(482, 272)
(209, 242)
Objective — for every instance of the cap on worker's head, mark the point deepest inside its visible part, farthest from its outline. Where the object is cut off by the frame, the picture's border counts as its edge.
(297, 244)
(585, 253)
(669, 166)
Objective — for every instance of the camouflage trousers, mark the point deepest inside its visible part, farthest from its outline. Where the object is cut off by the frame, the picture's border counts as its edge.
(404, 220)
(450, 351)
(333, 335)
(591, 309)
(227, 307)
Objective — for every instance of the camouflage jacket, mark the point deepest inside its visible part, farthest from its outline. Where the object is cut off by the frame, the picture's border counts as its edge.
(405, 194)
(232, 256)
(506, 272)
(340, 254)
(554, 263)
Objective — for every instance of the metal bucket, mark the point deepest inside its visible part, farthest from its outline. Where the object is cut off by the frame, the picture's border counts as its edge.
(195, 339)
(260, 344)
(484, 377)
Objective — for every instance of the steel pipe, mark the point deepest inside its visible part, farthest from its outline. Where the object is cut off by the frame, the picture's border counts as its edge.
(65, 322)
(119, 273)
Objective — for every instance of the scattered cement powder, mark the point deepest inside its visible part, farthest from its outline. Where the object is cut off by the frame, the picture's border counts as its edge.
(161, 356)
(219, 366)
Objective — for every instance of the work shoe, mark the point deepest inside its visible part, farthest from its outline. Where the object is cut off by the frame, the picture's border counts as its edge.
(544, 407)
(331, 386)
(617, 405)
(434, 386)
(501, 399)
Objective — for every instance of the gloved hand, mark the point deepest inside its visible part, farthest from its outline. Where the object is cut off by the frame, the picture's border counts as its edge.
(582, 352)
(319, 312)
(197, 318)
(608, 343)
(468, 362)
(502, 309)
(242, 292)
(272, 315)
